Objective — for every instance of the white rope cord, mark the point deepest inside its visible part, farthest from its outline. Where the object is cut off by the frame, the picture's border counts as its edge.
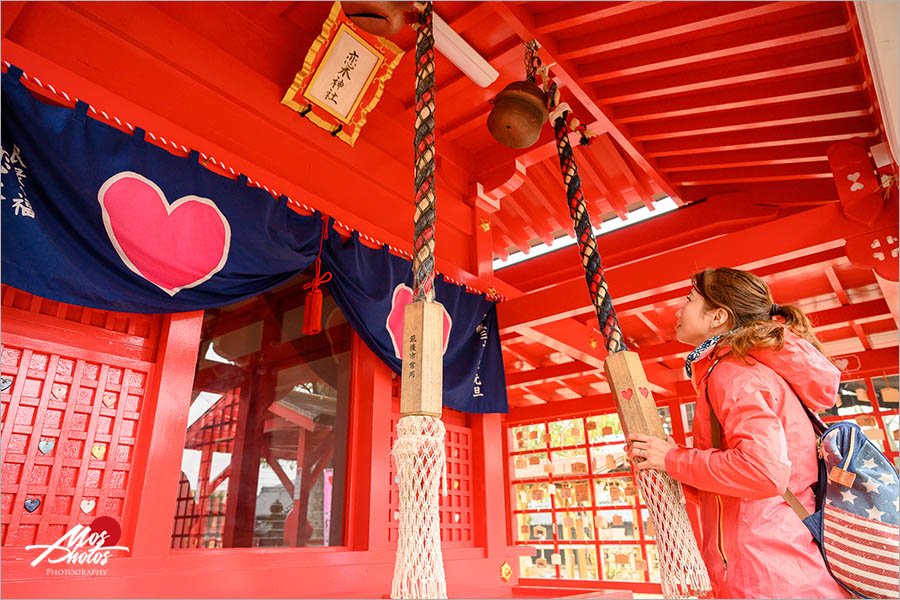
(490, 295)
(683, 571)
(421, 465)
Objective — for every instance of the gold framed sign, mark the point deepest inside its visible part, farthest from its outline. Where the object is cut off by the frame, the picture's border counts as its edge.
(343, 76)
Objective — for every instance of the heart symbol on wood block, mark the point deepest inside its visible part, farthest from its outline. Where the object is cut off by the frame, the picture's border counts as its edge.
(88, 505)
(627, 393)
(32, 504)
(853, 176)
(842, 363)
(45, 446)
(173, 246)
(109, 399)
(98, 451)
(644, 391)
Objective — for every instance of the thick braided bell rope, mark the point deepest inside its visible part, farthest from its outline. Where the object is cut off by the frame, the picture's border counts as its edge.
(587, 244)
(683, 572)
(421, 467)
(419, 453)
(426, 212)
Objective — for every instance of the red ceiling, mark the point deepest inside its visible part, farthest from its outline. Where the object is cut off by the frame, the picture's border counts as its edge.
(732, 103)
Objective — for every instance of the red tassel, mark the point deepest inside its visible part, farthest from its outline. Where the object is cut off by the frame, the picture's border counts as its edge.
(312, 312)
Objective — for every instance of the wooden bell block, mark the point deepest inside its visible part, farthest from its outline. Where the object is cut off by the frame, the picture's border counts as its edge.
(421, 389)
(634, 400)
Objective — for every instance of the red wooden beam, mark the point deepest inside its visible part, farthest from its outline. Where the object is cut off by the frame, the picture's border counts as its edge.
(543, 374)
(750, 157)
(608, 182)
(8, 14)
(606, 148)
(806, 60)
(804, 170)
(855, 104)
(753, 94)
(295, 417)
(782, 236)
(580, 407)
(566, 17)
(802, 133)
(794, 27)
(664, 233)
(542, 203)
(523, 24)
(698, 18)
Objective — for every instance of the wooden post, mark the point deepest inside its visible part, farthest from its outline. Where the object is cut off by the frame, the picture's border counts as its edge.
(422, 385)
(634, 400)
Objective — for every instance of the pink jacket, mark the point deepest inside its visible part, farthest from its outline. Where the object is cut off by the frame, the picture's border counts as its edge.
(752, 542)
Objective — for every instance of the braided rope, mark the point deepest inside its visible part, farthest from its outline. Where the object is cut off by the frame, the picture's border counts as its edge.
(426, 213)
(584, 233)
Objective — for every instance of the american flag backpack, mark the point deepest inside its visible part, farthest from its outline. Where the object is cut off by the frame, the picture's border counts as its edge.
(856, 518)
(856, 521)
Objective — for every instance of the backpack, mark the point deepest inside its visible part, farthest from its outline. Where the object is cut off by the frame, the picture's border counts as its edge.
(855, 522)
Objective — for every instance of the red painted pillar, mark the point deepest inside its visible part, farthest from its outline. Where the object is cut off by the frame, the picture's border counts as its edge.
(157, 461)
(489, 517)
(370, 412)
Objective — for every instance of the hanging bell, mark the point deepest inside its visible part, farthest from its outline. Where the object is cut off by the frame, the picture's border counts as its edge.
(383, 19)
(520, 110)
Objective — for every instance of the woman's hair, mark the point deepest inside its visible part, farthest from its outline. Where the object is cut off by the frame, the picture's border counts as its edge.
(751, 312)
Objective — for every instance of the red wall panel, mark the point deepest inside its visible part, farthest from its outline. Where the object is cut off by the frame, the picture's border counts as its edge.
(70, 413)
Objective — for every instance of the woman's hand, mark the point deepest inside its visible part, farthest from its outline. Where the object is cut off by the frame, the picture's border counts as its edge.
(648, 451)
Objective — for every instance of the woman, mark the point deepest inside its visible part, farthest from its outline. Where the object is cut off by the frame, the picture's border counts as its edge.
(752, 542)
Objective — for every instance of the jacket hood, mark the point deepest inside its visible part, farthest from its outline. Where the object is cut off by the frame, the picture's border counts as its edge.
(814, 378)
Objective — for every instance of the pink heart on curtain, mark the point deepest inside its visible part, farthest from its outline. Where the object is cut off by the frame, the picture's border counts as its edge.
(173, 246)
(402, 296)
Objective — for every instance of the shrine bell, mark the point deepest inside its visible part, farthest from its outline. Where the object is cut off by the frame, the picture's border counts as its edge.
(520, 110)
(383, 19)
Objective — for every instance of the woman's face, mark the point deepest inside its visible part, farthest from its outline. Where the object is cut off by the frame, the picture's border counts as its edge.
(695, 322)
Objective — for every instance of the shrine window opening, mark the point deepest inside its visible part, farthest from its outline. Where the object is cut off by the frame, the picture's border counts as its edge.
(872, 403)
(264, 462)
(573, 497)
(575, 501)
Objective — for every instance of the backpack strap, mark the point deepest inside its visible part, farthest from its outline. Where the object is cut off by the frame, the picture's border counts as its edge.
(715, 432)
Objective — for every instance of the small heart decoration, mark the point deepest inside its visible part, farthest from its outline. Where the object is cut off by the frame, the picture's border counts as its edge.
(31, 504)
(853, 176)
(5, 383)
(627, 393)
(842, 363)
(45, 446)
(856, 187)
(88, 505)
(98, 451)
(109, 400)
(644, 391)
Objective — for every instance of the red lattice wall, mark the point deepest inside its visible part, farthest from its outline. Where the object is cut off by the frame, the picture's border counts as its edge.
(456, 507)
(74, 383)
